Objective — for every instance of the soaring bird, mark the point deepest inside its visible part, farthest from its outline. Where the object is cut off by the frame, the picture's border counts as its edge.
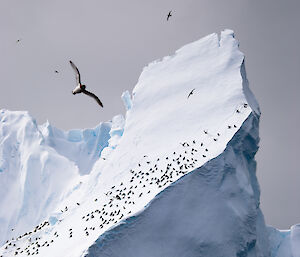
(191, 93)
(169, 15)
(80, 88)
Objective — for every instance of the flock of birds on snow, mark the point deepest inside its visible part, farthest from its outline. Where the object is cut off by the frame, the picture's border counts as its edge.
(148, 178)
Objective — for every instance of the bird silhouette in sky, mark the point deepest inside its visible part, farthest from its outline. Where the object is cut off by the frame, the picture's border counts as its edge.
(169, 15)
(191, 93)
(80, 88)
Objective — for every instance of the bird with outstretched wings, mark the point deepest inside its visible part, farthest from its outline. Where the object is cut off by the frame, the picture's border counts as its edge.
(80, 88)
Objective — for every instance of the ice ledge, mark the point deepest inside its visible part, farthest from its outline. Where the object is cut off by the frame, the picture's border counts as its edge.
(285, 243)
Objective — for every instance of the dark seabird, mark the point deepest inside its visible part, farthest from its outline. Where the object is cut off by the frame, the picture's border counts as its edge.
(81, 88)
(169, 15)
(191, 93)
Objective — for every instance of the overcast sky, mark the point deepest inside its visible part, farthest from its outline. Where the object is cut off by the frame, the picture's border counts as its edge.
(111, 41)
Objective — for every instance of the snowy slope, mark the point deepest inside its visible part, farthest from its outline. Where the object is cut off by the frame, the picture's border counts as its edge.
(38, 166)
(212, 211)
(176, 178)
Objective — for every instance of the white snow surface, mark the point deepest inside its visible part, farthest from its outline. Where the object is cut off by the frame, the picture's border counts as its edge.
(39, 166)
(175, 177)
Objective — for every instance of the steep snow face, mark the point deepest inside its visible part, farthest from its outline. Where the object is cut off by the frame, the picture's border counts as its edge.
(212, 211)
(38, 166)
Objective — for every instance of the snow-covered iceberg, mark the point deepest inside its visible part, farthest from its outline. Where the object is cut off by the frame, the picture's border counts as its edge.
(175, 177)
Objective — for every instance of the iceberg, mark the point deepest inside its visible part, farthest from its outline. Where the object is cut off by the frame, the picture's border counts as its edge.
(175, 177)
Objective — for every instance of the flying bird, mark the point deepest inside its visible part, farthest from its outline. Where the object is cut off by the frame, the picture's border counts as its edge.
(56, 71)
(169, 15)
(191, 93)
(80, 88)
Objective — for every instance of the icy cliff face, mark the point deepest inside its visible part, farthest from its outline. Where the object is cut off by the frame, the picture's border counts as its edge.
(176, 177)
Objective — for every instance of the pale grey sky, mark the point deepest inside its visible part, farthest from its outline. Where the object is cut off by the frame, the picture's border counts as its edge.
(111, 41)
